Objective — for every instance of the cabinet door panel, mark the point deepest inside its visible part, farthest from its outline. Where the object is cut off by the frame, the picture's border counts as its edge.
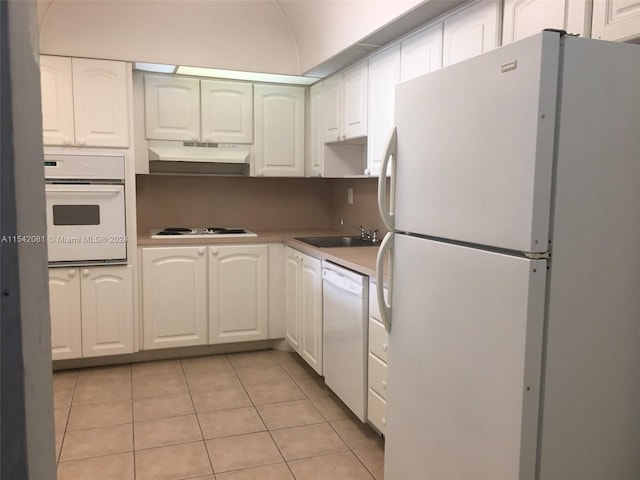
(311, 312)
(226, 111)
(333, 108)
(316, 130)
(172, 108)
(292, 266)
(100, 103)
(523, 18)
(57, 100)
(174, 296)
(355, 101)
(107, 311)
(64, 308)
(616, 19)
(421, 53)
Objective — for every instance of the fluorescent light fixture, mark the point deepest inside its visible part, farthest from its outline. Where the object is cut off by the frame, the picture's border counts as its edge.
(251, 76)
(154, 67)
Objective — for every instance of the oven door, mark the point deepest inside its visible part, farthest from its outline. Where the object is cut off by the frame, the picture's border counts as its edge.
(86, 223)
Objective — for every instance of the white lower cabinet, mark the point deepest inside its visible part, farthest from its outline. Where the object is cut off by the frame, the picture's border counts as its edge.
(304, 306)
(238, 293)
(91, 311)
(377, 365)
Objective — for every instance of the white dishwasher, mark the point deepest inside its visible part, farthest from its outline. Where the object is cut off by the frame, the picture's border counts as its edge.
(344, 319)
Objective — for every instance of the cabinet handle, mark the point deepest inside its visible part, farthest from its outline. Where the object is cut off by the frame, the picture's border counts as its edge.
(72, 273)
(81, 141)
(214, 251)
(384, 422)
(66, 141)
(338, 137)
(367, 172)
(384, 347)
(85, 272)
(344, 137)
(384, 385)
(194, 137)
(201, 251)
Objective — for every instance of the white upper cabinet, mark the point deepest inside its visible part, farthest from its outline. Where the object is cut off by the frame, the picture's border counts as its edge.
(421, 53)
(84, 102)
(315, 159)
(384, 75)
(616, 19)
(345, 104)
(471, 31)
(172, 108)
(523, 18)
(226, 111)
(279, 130)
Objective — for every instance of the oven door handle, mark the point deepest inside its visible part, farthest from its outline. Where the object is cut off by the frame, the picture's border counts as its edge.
(84, 192)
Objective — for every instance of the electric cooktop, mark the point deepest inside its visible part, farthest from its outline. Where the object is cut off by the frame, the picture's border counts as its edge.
(201, 232)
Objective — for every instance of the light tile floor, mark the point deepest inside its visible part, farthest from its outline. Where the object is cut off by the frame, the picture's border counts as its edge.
(245, 416)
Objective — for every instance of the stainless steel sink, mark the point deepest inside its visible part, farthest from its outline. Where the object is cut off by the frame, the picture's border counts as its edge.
(338, 241)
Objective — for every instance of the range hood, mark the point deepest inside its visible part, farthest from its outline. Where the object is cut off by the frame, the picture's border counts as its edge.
(198, 159)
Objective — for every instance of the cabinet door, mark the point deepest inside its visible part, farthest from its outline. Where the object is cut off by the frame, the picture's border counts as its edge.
(64, 308)
(355, 101)
(616, 19)
(523, 18)
(107, 310)
(333, 113)
(292, 270)
(279, 130)
(172, 108)
(226, 111)
(311, 312)
(421, 53)
(174, 296)
(384, 75)
(316, 130)
(471, 32)
(57, 100)
(100, 103)
(238, 293)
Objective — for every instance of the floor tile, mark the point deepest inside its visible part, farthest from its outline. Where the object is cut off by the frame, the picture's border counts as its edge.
(99, 415)
(157, 367)
(62, 396)
(341, 466)
(298, 370)
(284, 356)
(263, 394)
(109, 467)
(166, 431)
(279, 471)
(173, 462)
(356, 434)
(173, 405)
(261, 375)
(373, 459)
(289, 414)
(158, 385)
(223, 398)
(332, 408)
(207, 364)
(60, 417)
(102, 392)
(93, 442)
(117, 373)
(59, 439)
(201, 382)
(65, 379)
(252, 359)
(225, 423)
(313, 386)
(308, 441)
(243, 451)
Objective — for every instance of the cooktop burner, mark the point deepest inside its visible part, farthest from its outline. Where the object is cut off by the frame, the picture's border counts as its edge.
(203, 232)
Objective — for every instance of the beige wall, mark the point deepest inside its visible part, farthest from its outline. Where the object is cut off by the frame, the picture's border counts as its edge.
(254, 203)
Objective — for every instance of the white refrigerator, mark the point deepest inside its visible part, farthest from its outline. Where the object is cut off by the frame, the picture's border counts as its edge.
(514, 218)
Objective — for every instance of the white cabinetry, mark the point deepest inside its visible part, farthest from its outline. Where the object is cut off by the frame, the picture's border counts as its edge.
(84, 102)
(345, 105)
(238, 293)
(174, 296)
(304, 306)
(189, 109)
(616, 19)
(471, 31)
(523, 18)
(91, 311)
(421, 53)
(377, 376)
(384, 75)
(315, 165)
(279, 131)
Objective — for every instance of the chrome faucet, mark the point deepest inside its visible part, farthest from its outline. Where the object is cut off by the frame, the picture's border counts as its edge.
(367, 235)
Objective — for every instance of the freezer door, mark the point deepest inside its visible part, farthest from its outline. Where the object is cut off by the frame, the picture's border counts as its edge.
(463, 363)
(475, 147)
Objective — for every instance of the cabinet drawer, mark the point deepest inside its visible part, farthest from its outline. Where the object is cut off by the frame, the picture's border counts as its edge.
(378, 376)
(376, 411)
(374, 308)
(378, 339)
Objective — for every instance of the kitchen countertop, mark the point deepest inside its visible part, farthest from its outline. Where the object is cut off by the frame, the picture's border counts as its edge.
(360, 259)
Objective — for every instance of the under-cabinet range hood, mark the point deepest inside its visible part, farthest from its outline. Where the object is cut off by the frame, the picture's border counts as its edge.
(192, 158)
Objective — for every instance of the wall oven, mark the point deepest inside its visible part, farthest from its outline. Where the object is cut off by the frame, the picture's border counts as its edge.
(85, 209)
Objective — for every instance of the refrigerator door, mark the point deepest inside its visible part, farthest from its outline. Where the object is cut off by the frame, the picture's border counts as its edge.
(475, 147)
(464, 363)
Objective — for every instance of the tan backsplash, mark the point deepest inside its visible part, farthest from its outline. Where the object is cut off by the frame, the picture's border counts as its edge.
(254, 203)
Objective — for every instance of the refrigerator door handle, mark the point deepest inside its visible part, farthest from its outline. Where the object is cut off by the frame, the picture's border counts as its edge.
(386, 211)
(385, 309)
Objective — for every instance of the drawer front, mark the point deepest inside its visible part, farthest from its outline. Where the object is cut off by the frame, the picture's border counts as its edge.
(378, 339)
(376, 411)
(378, 376)
(374, 308)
